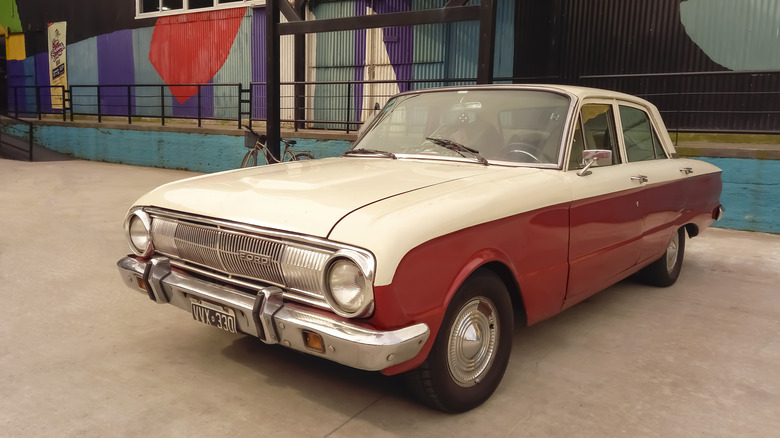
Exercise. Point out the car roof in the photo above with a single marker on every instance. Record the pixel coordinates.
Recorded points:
(575, 91)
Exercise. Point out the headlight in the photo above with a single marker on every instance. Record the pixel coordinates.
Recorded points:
(349, 290)
(138, 225)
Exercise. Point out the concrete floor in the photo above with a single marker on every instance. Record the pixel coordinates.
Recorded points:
(83, 356)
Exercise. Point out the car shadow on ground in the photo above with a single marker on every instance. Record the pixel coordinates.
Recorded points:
(326, 383)
(319, 380)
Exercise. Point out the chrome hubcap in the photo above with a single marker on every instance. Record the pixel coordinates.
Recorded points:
(473, 341)
(672, 251)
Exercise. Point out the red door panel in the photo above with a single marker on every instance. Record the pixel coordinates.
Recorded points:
(606, 227)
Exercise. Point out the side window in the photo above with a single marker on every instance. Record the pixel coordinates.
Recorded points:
(595, 130)
(642, 143)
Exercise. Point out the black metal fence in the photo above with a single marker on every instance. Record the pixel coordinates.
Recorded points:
(17, 136)
(336, 105)
(724, 101)
(740, 102)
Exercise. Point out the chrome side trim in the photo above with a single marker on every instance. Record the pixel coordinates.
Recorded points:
(269, 318)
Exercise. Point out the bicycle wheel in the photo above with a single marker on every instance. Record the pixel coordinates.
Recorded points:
(250, 159)
(302, 156)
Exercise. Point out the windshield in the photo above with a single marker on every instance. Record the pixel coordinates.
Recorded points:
(495, 125)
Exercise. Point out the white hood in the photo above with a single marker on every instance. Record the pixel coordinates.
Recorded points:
(308, 197)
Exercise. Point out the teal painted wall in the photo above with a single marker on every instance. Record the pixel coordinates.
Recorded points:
(751, 194)
(171, 150)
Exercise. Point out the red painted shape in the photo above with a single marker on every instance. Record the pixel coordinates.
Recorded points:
(191, 48)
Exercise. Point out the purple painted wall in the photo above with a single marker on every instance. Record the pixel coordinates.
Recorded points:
(17, 77)
(115, 66)
(258, 63)
(399, 41)
(42, 78)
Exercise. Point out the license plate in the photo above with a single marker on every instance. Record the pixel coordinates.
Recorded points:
(214, 315)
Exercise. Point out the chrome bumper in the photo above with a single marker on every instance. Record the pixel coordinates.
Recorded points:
(719, 212)
(267, 317)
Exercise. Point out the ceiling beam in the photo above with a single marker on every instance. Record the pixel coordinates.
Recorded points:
(427, 16)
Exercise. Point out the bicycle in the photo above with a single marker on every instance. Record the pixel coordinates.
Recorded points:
(250, 159)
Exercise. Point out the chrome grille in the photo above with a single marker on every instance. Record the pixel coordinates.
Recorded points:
(247, 256)
(300, 262)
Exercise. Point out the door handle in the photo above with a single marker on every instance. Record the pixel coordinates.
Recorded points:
(687, 170)
(640, 178)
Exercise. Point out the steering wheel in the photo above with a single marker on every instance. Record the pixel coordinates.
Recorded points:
(520, 149)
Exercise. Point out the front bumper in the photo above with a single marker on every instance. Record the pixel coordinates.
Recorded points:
(267, 317)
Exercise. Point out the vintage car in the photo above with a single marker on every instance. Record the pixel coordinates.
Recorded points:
(458, 214)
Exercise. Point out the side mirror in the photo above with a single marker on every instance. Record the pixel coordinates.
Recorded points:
(591, 157)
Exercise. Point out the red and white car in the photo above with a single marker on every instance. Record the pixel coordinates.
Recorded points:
(458, 214)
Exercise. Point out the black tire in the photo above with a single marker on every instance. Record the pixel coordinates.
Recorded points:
(460, 374)
(303, 156)
(665, 271)
(250, 159)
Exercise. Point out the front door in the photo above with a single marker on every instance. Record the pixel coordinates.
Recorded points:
(606, 216)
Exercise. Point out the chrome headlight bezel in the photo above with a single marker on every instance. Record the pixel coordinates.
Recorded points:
(135, 218)
(366, 267)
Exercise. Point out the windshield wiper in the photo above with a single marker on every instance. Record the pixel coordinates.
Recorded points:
(457, 147)
(363, 151)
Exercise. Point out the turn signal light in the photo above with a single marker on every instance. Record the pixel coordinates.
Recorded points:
(140, 282)
(313, 341)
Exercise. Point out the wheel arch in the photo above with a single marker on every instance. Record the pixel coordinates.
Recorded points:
(692, 230)
(504, 273)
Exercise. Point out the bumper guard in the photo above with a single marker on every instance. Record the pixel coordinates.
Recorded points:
(267, 317)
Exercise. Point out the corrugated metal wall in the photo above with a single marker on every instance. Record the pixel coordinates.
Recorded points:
(571, 41)
(148, 100)
(399, 54)
(332, 59)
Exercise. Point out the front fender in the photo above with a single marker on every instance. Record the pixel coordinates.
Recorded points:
(533, 246)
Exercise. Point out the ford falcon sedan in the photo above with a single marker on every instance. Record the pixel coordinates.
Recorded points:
(458, 214)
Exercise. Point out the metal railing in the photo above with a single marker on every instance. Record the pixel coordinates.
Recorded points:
(17, 137)
(28, 100)
(336, 105)
(156, 101)
(722, 101)
(743, 102)
(201, 101)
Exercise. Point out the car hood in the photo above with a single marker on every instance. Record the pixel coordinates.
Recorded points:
(308, 197)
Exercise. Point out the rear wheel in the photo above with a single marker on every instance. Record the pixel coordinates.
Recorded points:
(665, 271)
(471, 350)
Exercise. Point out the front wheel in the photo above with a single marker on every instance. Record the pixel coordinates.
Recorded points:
(665, 271)
(471, 350)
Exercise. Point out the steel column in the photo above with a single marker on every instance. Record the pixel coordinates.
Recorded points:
(273, 78)
(487, 41)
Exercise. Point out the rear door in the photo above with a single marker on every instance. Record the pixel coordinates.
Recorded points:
(664, 192)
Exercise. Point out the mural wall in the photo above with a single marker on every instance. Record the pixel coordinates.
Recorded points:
(226, 48)
(555, 40)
